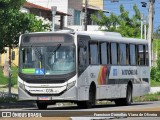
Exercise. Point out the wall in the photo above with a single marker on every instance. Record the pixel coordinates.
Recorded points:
(5, 57)
(89, 27)
(75, 4)
(97, 3)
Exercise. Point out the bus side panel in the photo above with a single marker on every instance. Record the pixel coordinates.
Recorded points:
(83, 93)
(136, 90)
(83, 86)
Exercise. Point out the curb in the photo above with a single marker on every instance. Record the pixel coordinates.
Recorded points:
(154, 90)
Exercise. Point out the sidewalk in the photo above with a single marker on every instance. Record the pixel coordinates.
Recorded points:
(154, 90)
(14, 103)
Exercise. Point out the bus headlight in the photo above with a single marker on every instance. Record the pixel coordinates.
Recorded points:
(71, 84)
(21, 85)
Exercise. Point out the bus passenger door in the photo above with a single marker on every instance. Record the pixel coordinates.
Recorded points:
(83, 58)
(82, 68)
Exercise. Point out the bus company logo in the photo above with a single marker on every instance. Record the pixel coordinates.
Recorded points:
(6, 114)
(115, 72)
(129, 72)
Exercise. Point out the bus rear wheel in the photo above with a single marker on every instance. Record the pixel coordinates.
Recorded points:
(125, 101)
(42, 106)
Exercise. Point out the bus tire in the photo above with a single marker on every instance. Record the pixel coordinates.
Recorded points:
(42, 106)
(128, 99)
(125, 101)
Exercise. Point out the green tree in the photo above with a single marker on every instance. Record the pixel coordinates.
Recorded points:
(13, 23)
(128, 27)
(109, 22)
(155, 71)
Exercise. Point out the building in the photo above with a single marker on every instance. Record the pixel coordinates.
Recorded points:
(75, 8)
(92, 8)
(45, 13)
(72, 7)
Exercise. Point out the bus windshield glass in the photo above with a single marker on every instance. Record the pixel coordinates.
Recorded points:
(57, 59)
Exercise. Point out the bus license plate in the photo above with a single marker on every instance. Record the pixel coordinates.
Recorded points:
(44, 98)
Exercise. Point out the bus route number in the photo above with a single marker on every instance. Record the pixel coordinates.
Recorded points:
(49, 91)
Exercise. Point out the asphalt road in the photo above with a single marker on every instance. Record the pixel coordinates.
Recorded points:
(148, 111)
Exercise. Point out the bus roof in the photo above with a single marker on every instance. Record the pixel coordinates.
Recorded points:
(99, 36)
(111, 37)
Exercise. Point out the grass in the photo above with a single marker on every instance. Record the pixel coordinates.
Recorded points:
(4, 80)
(155, 83)
(147, 97)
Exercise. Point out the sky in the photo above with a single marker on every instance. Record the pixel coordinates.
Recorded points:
(128, 5)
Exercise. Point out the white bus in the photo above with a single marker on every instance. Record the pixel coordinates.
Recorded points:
(82, 67)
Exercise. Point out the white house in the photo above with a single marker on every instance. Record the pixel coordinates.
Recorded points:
(72, 7)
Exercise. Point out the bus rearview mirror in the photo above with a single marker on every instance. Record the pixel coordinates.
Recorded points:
(13, 55)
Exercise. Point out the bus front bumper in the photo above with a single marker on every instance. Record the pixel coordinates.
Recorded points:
(68, 95)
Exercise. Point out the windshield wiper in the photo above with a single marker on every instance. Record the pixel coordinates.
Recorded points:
(55, 49)
(37, 51)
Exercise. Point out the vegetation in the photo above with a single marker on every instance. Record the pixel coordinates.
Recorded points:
(6, 99)
(148, 97)
(128, 27)
(155, 71)
(13, 23)
(4, 80)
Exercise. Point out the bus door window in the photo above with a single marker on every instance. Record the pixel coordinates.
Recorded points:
(82, 57)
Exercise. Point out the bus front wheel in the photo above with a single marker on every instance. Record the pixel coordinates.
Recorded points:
(42, 106)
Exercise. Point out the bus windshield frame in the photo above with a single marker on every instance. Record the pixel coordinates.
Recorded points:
(47, 58)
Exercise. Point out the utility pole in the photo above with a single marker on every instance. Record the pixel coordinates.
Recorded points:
(142, 16)
(145, 32)
(9, 73)
(54, 9)
(86, 6)
(150, 29)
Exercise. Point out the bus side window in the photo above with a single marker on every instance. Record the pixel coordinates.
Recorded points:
(122, 54)
(114, 54)
(109, 53)
(132, 54)
(127, 54)
(141, 59)
(137, 56)
(94, 59)
(146, 55)
(103, 53)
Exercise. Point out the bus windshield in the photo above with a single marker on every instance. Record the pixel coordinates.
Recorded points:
(47, 60)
